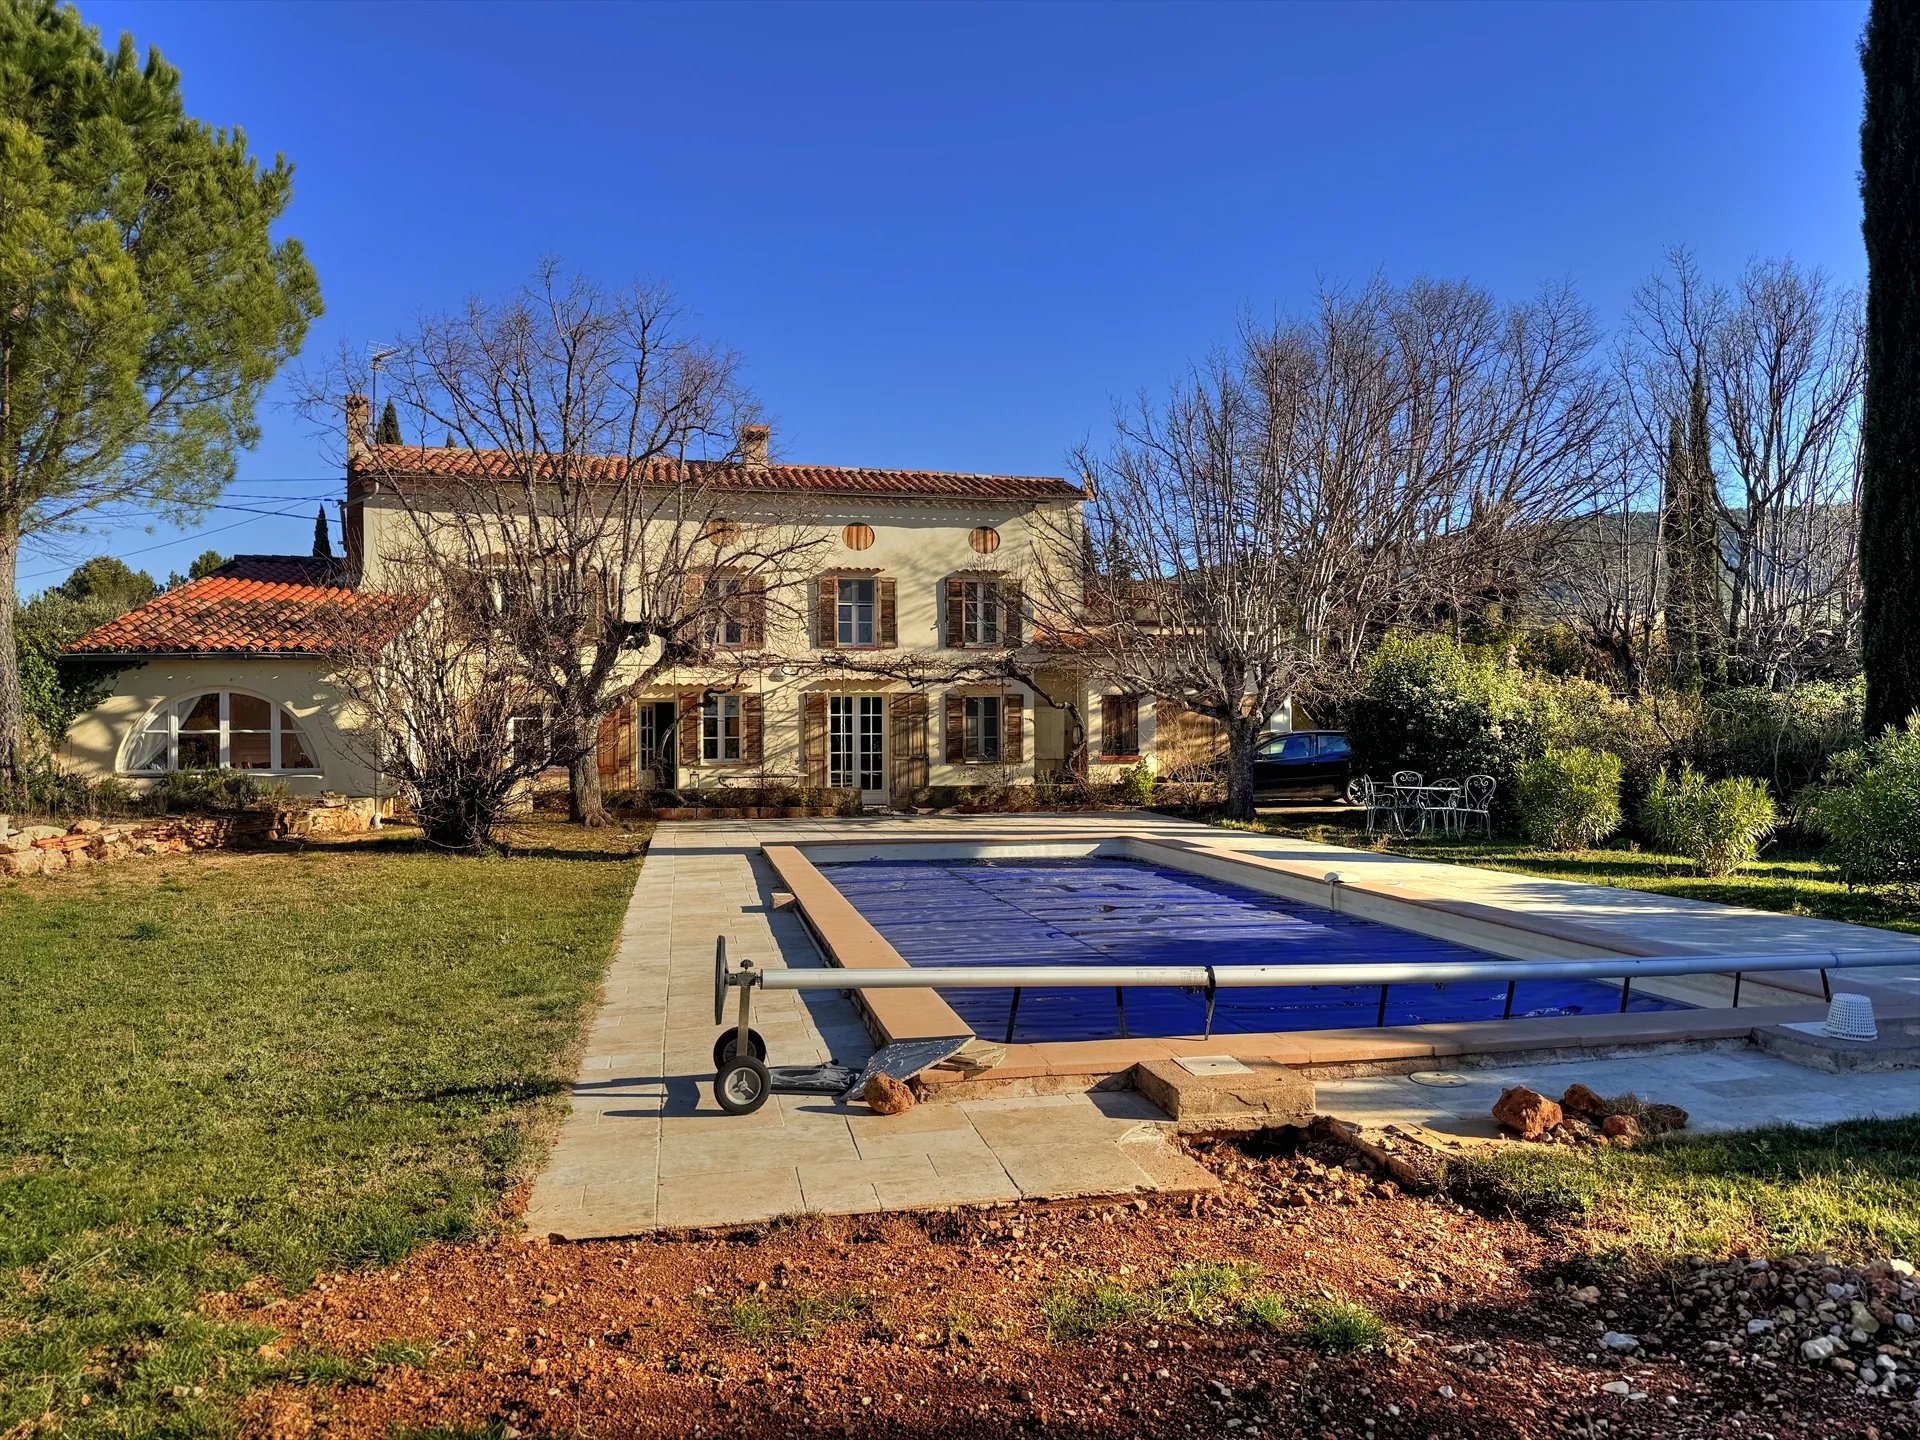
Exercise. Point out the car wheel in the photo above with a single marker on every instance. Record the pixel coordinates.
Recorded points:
(1356, 793)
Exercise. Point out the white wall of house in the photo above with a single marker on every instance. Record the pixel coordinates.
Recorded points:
(97, 745)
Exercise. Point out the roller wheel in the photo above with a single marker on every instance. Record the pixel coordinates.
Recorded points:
(742, 1086)
(723, 1048)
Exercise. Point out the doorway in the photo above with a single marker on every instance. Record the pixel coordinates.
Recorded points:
(655, 750)
(857, 745)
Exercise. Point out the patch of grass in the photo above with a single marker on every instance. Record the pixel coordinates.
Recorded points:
(1851, 1190)
(1791, 882)
(495, 1431)
(1338, 1327)
(1094, 1305)
(1217, 1294)
(1263, 1310)
(248, 1067)
(415, 1354)
(764, 1319)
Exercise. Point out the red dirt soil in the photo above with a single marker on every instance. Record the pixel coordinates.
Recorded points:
(932, 1325)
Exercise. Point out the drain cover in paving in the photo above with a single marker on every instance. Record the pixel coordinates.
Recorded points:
(1211, 1065)
(1439, 1079)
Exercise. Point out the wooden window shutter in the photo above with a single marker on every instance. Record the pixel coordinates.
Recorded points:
(689, 727)
(826, 611)
(752, 709)
(1013, 619)
(608, 748)
(956, 730)
(885, 628)
(753, 617)
(956, 613)
(691, 588)
(907, 720)
(813, 740)
(1014, 708)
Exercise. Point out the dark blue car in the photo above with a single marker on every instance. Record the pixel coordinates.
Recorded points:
(1303, 764)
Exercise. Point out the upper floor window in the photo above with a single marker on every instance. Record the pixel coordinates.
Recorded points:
(220, 729)
(720, 728)
(855, 611)
(980, 612)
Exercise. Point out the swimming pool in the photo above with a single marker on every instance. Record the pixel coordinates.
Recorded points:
(1104, 911)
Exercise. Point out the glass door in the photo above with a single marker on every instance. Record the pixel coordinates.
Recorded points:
(856, 744)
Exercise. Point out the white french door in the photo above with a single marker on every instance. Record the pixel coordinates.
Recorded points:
(857, 744)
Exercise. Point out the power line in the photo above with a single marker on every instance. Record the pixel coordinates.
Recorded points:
(177, 540)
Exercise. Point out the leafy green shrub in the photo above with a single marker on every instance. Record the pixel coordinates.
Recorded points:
(194, 790)
(1869, 810)
(1430, 704)
(1719, 824)
(1136, 784)
(1787, 736)
(1569, 798)
(44, 789)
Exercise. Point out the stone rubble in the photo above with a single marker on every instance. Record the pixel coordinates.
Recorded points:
(1855, 1320)
(49, 849)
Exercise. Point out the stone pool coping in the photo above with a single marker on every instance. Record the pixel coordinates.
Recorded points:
(846, 938)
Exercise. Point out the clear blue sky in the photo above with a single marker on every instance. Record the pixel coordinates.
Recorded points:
(948, 236)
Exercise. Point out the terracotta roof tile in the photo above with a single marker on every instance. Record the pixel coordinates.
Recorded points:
(403, 462)
(254, 605)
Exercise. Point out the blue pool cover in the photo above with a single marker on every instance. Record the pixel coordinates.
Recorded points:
(1123, 912)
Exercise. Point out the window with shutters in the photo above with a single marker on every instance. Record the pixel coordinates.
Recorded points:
(980, 612)
(720, 729)
(854, 616)
(1120, 727)
(729, 628)
(983, 717)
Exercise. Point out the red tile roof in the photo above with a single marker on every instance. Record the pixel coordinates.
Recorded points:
(254, 605)
(405, 462)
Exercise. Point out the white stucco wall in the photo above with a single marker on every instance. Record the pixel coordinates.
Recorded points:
(96, 745)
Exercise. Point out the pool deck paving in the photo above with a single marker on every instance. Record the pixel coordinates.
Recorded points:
(645, 1147)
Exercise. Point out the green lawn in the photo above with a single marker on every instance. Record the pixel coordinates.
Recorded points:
(1852, 1190)
(1794, 882)
(232, 1070)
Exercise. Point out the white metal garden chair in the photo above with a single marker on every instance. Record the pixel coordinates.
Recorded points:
(1476, 803)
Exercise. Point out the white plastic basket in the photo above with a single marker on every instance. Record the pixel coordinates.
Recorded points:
(1850, 1017)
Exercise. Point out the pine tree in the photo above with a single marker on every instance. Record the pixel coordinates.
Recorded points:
(1890, 415)
(322, 537)
(1675, 521)
(389, 431)
(1703, 539)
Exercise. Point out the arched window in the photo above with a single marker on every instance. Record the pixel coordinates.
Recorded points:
(220, 729)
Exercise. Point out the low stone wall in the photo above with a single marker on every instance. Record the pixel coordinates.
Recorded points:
(50, 848)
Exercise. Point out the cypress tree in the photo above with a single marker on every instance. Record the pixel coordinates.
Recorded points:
(1675, 522)
(1703, 539)
(388, 432)
(1890, 415)
(322, 537)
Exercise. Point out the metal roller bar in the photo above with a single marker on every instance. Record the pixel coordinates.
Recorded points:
(1253, 977)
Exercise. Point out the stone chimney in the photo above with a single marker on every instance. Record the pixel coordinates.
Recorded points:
(359, 427)
(753, 445)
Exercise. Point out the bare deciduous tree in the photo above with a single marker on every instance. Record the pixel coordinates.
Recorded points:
(597, 488)
(1400, 455)
(1781, 354)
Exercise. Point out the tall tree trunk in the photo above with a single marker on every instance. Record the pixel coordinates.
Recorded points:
(1890, 417)
(584, 806)
(1243, 732)
(13, 718)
